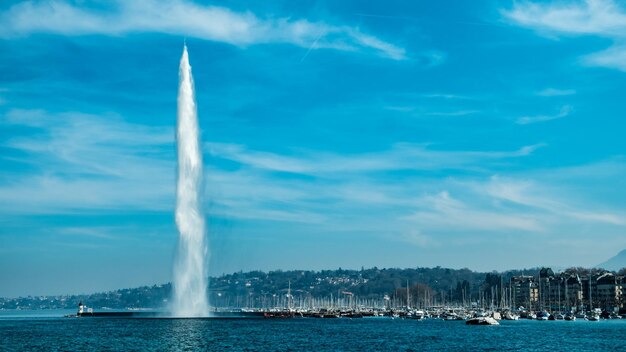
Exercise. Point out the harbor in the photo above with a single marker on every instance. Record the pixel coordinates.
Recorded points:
(416, 294)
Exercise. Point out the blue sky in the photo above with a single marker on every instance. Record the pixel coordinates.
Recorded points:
(482, 134)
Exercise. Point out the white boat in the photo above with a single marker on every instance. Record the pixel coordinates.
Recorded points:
(418, 315)
(482, 321)
(593, 317)
(543, 315)
(510, 316)
(570, 317)
(451, 316)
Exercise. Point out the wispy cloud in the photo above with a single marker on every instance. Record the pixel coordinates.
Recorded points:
(554, 92)
(185, 18)
(418, 239)
(442, 211)
(532, 195)
(402, 156)
(96, 163)
(604, 18)
(525, 120)
(598, 17)
(453, 113)
(88, 162)
(446, 96)
(614, 57)
(100, 232)
(514, 204)
(432, 104)
(495, 205)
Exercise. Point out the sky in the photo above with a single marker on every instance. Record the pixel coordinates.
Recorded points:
(478, 134)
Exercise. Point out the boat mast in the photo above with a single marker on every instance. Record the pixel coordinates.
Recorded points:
(408, 305)
(559, 307)
(502, 297)
(289, 296)
(417, 296)
(549, 295)
(590, 300)
(567, 302)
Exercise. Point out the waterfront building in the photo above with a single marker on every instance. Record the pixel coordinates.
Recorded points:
(623, 285)
(608, 291)
(524, 291)
(568, 291)
(573, 287)
(546, 278)
(561, 292)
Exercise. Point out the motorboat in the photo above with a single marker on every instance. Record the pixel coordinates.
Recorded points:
(543, 315)
(510, 316)
(593, 317)
(482, 321)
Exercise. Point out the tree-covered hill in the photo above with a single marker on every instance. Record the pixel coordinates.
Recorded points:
(266, 289)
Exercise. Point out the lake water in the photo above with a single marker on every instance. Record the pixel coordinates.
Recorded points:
(54, 333)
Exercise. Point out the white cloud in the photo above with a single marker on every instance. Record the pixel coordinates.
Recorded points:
(356, 197)
(554, 92)
(89, 162)
(604, 18)
(598, 17)
(83, 163)
(98, 232)
(614, 57)
(419, 239)
(402, 156)
(445, 96)
(185, 18)
(442, 212)
(452, 113)
(525, 120)
(517, 205)
(533, 196)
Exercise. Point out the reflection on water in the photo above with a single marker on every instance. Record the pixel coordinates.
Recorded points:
(154, 334)
(31, 314)
(187, 334)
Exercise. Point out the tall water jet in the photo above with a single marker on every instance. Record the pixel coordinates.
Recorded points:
(190, 283)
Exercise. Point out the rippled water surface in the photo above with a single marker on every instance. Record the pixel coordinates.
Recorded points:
(373, 334)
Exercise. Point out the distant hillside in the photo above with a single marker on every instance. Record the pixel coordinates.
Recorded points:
(615, 263)
(257, 288)
(270, 289)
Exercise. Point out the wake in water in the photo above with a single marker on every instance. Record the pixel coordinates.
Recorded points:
(190, 283)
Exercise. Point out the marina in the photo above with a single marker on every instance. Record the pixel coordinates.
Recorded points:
(469, 315)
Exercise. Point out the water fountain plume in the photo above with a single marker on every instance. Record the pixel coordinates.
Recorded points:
(189, 297)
